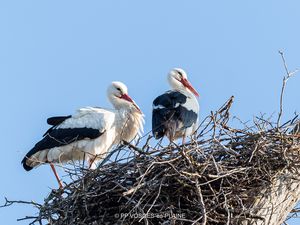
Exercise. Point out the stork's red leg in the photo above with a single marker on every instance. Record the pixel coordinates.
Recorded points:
(91, 161)
(183, 140)
(56, 175)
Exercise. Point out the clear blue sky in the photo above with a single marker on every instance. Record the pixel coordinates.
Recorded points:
(56, 56)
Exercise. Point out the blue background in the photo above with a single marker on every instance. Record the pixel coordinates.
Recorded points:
(57, 56)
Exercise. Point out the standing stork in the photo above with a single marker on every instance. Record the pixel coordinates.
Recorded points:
(88, 134)
(175, 113)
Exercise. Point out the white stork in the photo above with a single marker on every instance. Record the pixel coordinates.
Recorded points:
(175, 113)
(88, 134)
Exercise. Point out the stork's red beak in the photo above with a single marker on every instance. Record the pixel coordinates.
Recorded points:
(189, 86)
(127, 98)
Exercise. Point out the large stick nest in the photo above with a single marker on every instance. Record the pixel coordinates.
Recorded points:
(214, 179)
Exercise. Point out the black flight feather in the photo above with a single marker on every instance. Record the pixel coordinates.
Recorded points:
(169, 112)
(54, 121)
(61, 137)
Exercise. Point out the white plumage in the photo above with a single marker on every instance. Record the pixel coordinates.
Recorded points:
(112, 124)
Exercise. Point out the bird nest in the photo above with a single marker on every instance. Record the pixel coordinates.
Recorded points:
(214, 179)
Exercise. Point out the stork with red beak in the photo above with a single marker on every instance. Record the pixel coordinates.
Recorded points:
(89, 134)
(175, 113)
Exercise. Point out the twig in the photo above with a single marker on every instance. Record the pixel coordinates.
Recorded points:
(284, 81)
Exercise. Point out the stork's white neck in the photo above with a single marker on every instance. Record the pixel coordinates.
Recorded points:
(130, 124)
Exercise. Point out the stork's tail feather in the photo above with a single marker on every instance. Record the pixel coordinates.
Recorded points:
(29, 161)
(25, 166)
(158, 133)
(158, 128)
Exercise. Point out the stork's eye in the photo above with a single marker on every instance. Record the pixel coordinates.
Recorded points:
(119, 89)
(180, 74)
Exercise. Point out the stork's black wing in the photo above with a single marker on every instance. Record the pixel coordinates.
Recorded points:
(54, 121)
(169, 110)
(56, 137)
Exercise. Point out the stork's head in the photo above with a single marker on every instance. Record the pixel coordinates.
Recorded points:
(117, 93)
(179, 81)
